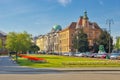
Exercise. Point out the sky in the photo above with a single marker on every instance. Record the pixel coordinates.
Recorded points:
(39, 16)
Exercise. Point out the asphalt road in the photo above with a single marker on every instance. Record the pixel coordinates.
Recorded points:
(63, 76)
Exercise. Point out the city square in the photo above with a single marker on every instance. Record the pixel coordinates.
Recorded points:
(59, 39)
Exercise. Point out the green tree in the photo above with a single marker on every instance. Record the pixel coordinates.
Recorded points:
(117, 45)
(34, 48)
(104, 40)
(80, 41)
(95, 47)
(18, 42)
(11, 41)
(24, 42)
(0, 44)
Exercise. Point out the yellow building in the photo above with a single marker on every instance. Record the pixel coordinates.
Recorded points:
(61, 40)
(65, 38)
(40, 42)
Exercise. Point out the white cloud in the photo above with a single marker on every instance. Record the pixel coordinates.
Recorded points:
(64, 2)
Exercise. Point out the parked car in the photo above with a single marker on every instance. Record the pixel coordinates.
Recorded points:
(114, 55)
(67, 54)
(92, 55)
(79, 54)
(86, 54)
(102, 55)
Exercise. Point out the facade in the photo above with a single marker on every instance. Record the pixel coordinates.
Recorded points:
(90, 28)
(65, 38)
(40, 42)
(61, 41)
(3, 41)
(50, 42)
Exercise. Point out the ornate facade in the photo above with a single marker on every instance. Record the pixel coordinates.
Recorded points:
(50, 42)
(90, 28)
(65, 37)
(61, 41)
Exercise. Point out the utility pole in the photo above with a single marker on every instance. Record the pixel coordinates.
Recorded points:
(109, 22)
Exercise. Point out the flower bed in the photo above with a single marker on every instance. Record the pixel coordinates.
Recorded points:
(32, 58)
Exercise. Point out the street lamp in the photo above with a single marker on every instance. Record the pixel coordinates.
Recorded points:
(77, 43)
(109, 22)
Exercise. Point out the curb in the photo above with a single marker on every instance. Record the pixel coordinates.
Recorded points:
(86, 70)
(79, 69)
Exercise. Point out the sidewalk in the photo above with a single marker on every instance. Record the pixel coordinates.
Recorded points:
(6, 61)
(87, 69)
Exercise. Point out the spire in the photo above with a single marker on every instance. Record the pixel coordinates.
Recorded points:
(85, 15)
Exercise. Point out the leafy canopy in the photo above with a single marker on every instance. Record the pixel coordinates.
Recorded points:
(104, 40)
(117, 45)
(18, 42)
(80, 41)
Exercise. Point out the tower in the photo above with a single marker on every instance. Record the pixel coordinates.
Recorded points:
(85, 20)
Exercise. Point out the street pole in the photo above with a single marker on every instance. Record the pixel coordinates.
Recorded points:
(77, 43)
(109, 22)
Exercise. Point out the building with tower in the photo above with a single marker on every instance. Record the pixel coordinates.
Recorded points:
(90, 28)
(60, 40)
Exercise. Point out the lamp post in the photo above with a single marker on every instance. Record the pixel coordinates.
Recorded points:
(109, 22)
(77, 44)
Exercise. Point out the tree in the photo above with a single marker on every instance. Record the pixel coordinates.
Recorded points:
(80, 41)
(24, 41)
(18, 42)
(117, 45)
(95, 47)
(0, 43)
(104, 40)
(11, 41)
(34, 48)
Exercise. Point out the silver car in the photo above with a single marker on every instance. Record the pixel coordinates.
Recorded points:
(114, 55)
(79, 54)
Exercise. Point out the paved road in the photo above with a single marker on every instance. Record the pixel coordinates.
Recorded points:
(62, 76)
(6, 61)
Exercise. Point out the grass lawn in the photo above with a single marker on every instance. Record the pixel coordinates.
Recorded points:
(54, 61)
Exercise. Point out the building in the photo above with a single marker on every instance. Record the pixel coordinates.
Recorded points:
(50, 42)
(66, 35)
(40, 42)
(61, 40)
(65, 38)
(90, 28)
(3, 42)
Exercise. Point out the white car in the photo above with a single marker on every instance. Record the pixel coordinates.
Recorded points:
(79, 54)
(67, 54)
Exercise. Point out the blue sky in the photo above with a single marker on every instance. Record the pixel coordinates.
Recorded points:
(39, 16)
